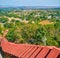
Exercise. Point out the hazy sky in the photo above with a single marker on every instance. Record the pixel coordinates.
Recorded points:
(9, 3)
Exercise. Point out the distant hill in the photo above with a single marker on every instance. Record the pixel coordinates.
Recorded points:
(31, 7)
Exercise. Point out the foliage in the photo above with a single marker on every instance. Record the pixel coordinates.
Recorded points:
(3, 20)
(32, 32)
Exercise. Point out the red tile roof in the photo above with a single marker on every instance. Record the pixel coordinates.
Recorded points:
(30, 51)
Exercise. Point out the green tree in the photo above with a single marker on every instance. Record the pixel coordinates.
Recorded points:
(3, 20)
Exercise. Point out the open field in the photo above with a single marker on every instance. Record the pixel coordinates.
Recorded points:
(46, 22)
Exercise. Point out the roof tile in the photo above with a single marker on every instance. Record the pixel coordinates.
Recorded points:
(30, 51)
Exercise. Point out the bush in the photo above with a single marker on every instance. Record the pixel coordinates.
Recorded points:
(11, 35)
(3, 20)
(9, 25)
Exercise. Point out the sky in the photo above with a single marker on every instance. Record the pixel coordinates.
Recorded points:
(9, 3)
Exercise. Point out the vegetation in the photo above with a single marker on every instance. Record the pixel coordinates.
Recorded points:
(31, 26)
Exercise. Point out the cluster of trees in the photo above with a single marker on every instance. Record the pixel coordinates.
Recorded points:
(3, 20)
(20, 32)
(32, 33)
(33, 15)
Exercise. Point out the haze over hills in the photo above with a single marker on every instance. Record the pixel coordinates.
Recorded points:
(30, 6)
